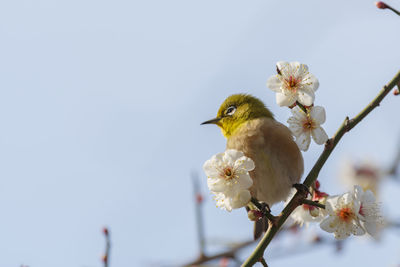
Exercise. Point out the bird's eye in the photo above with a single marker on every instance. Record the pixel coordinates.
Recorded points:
(230, 110)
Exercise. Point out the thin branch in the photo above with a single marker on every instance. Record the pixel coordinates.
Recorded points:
(303, 108)
(346, 126)
(199, 214)
(312, 203)
(226, 254)
(393, 170)
(106, 256)
(263, 262)
(394, 10)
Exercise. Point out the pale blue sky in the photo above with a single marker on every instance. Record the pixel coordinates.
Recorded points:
(100, 111)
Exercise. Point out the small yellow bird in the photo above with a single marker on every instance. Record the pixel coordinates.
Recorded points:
(251, 128)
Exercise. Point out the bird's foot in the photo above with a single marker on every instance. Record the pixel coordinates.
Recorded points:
(267, 213)
(302, 189)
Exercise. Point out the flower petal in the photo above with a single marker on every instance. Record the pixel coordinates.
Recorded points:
(285, 100)
(241, 199)
(370, 227)
(231, 155)
(283, 67)
(217, 185)
(305, 97)
(329, 224)
(311, 81)
(319, 135)
(318, 114)
(274, 83)
(303, 141)
(244, 181)
(245, 163)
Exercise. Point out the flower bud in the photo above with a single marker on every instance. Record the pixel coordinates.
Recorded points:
(317, 184)
(254, 215)
(381, 5)
(314, 212)
(396, 92)
(199, 198)
(105, 231)
(104, 258)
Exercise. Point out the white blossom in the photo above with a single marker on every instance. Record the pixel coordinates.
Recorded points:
(303, 126)
(228, 201)
(293, 83)
(343, 219)
(229, 179)
(369, 212)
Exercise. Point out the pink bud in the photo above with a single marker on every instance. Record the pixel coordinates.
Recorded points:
(199, 198)
(317, 184)
(381, 5)
(105, 231)
(396, 92)
(254, 215)
(104, 258)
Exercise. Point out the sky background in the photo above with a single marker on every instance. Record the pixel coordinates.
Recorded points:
(100, 111)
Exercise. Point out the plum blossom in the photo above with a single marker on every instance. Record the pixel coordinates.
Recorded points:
(229, 179)
(342, 217)
(303, 126)
(293, 83)
(354, 213)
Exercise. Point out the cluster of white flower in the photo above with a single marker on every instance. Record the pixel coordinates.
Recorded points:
(351, 213)
(354, 213)
(229, 179)
(295, 86)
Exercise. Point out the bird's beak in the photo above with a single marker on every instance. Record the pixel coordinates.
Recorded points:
(213, 121)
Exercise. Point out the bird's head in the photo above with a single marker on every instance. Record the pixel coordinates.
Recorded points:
(236, 110)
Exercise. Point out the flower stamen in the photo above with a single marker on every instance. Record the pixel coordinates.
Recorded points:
(345, 214)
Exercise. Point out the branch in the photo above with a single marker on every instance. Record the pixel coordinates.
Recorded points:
(106, 256)
(393, 170)
(382, 5)
(227, 254)
(303, 108)
(312, 176)
(312, 203)
(199, 215)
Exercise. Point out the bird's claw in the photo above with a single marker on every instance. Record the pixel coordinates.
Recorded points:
(304, 190)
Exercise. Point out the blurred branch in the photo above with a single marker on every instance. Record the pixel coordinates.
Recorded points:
(346, 126)
(199, 214)
(396, 163)
(203, 258)
(106, 256)
(231, 253)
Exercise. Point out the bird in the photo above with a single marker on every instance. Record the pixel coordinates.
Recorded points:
(249, 126)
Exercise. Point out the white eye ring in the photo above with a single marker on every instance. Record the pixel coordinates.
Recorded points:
(230, 110)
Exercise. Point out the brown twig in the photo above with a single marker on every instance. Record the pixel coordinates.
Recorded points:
(231, 253)
(383, 5)
(312, 203)
(346, 126)
(106, 256)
